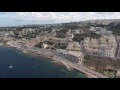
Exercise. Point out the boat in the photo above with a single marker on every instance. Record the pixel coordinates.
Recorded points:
(10, 66)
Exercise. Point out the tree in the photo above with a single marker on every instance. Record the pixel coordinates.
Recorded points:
(86, 57)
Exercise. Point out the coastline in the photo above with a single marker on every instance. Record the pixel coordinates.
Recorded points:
(49, 57)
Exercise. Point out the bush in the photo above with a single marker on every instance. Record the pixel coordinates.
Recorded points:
(86, 57)
(79, 37)
(49, 42)
(61, 46)
(39, 45)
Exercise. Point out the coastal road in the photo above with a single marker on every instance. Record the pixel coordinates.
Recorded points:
(79, 67)
(82, 68)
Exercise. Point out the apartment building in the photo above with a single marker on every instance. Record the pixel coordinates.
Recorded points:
(73, 46)
(73, 56)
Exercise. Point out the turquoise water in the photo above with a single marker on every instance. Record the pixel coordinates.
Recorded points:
(29, 66)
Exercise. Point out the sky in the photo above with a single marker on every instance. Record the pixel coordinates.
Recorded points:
(24, 18)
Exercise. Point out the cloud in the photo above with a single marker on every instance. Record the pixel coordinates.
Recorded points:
(53, 17)
(65, 16)
(107, 15)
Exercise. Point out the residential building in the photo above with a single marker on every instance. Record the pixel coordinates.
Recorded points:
(73, 46)
(61, 40)
(73, 56)
(92, 29)
(105, 47)
(104, 33)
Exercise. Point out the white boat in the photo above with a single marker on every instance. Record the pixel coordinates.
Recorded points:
(10, 66)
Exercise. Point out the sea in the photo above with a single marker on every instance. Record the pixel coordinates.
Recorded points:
(30, 66)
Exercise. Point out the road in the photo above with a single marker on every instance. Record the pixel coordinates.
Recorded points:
(79, 67)
(82, 68)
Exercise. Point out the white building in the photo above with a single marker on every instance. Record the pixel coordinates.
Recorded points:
(73, 46)
(44, 46)
(92, 29)
(107, 53)
(61, 40)
(79, 55)
(72, 56)
(104, 33)
(105, 47)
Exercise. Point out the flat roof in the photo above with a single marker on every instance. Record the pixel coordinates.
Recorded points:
(75, 53)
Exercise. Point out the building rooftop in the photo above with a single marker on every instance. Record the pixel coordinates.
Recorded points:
(73, 46)
(75, 53)
(61, 50)
(94, 41)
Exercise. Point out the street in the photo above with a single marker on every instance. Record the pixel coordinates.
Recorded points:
(82, 68)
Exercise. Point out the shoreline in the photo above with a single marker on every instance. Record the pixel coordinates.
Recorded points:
(51, 58)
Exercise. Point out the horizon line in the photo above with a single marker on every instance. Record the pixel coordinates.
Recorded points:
(57, 23)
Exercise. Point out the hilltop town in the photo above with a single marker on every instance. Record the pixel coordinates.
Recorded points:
(93, 44)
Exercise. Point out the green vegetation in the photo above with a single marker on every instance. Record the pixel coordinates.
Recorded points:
(110, 73)
(48, 30)
(86, 57)
(53, 48)
(49, 42)
(61, 33)
(3, 42)
(101, 64)
(78, 38)
(114, 28)
(60, 36)
(39, 45)
(61, 45)
(94, 35)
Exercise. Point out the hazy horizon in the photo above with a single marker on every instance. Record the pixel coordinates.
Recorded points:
(26, 18)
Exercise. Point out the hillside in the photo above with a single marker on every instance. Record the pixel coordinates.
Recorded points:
(110, 24)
